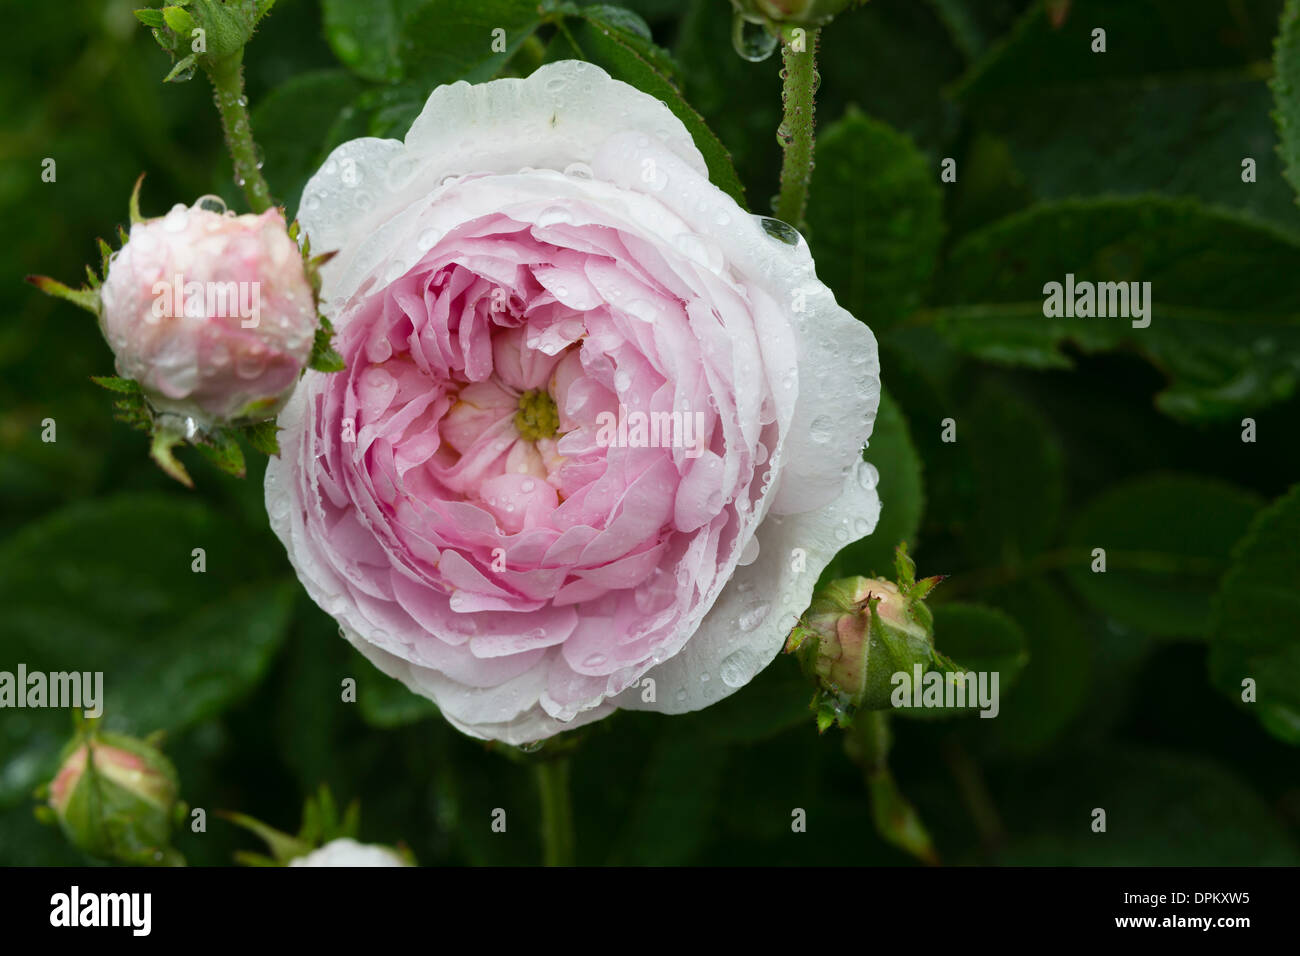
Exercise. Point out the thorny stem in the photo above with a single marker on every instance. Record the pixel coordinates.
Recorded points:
(227, 78)
(798, 85)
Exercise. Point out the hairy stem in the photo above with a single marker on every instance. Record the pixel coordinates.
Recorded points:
(799, 84)
(227, 78)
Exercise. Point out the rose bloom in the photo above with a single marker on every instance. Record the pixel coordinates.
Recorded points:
(473, 500)
(348, 852)
(212, 314)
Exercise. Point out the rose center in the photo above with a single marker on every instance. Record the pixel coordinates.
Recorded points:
(537, 417)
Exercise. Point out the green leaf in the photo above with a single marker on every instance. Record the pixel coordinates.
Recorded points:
(1053, 687)
(895, 458)
(774, 701)
(1253, 633)
(875, 219)
(1174, 105)
(621, 54)
(453, 40)
(1166, 540)
(673, 815)
(293, 123)
(1224, 323)
(981, 638)
(1286, 91)
(367, 35)
(1018, 477)
(974, 637)
(632, 30)
(1162, 809)
(109, 585)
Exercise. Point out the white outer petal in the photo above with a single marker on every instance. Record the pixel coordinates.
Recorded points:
(457, 703)
(348, 852)
(747, 626)
(496, 127)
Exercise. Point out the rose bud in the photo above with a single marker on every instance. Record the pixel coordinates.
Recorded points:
(796, 12)
(857, 634)
(212, 313)
(115, 797)
(348, 852)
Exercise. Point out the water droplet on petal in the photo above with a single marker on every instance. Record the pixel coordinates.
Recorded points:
(780, 231)
(211, 204)
(737, 668)
(868, 476)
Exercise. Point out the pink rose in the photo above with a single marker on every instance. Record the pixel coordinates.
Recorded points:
(212, 314)
(600, 429)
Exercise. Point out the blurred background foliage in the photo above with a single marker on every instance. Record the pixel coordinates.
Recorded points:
(1071, 434)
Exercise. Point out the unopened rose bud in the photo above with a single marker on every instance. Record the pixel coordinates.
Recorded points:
(348, 852)
(813, 13)
(857, 634)
(115, 797)
(211, 313)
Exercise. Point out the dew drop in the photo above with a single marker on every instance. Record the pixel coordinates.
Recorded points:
(554, 216)
(737, 668)
(751, 39)
(211, 203)
(753, 617)
(868, 476)
(780, 231)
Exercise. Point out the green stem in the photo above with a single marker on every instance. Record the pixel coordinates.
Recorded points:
(557, 810)
(227, 78)
(978, 800)
(895, 819)
(799, 83)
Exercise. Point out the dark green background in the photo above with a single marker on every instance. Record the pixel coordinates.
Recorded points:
(1070, 436)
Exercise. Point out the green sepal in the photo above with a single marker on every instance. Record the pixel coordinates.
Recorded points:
(263, 437)
(133, 207)
(321, 823)
(283, 846)
(896, 820)
(182, 70)
(227, 27)
(126, 386)
(151, 18)
(87, 299)
(160, 450)
(105, 254)
(222, 449)
(323, 356)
